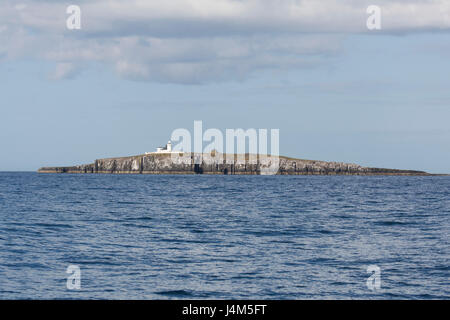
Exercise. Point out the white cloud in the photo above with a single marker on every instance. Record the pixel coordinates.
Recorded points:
(194, 41)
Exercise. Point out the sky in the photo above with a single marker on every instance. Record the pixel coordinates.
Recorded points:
(137, 70)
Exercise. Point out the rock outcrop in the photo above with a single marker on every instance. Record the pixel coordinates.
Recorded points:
(190, 163)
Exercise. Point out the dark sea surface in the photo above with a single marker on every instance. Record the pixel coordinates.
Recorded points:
(223, 237)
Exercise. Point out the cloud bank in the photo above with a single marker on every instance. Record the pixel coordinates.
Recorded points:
(199, 41)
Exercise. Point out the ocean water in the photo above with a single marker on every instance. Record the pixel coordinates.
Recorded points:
(223, 237)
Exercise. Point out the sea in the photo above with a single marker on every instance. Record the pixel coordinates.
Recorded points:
(223, 237)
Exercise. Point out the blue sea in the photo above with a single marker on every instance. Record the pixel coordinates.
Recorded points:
(224, 237)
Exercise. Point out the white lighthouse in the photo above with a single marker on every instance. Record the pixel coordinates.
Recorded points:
(166, 149)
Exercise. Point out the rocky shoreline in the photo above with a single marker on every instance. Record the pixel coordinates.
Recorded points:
(217, 164)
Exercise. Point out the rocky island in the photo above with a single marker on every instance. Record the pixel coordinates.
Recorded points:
(212, 163)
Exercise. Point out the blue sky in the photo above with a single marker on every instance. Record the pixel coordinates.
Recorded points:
(373, 98)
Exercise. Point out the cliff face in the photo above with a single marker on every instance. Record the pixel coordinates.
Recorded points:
(218, 164)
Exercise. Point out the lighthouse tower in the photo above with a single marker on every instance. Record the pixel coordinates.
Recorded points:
(166, 149)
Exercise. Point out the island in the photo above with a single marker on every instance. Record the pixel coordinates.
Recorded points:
(170, 162)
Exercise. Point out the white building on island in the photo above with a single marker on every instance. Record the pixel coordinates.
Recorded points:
(166, 149)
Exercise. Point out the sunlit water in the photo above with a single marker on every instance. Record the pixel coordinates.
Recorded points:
(223, 237)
